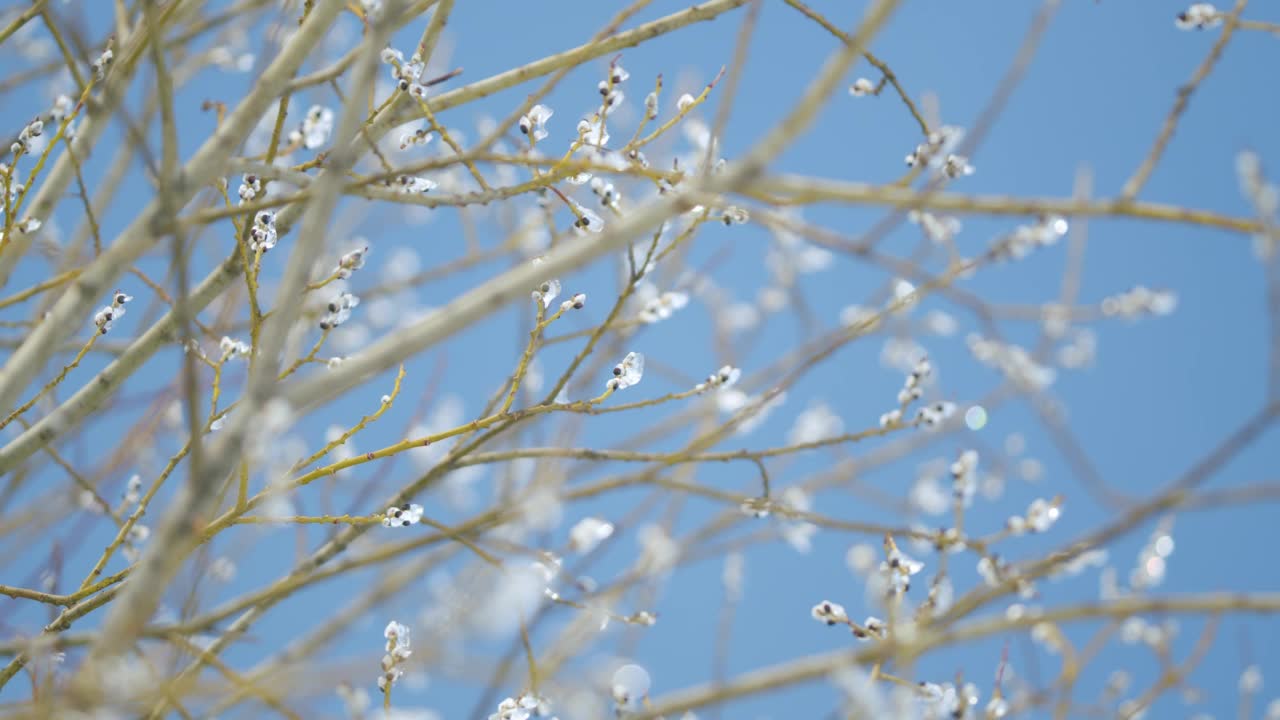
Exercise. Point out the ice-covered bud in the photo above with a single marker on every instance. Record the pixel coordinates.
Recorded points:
(547, 292)
(534, 123)
(1199, 16)
(862, 87)
(628, 372)
(402, 515)
(630, 686)
(829, 613)
(588, 533)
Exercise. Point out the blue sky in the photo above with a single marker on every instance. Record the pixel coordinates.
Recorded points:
(1163, 393)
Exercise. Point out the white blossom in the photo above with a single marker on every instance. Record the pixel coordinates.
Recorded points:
(402, 515)
(1046, 231)
(262, 236)
(658, 551)
(651, 105)
(102, 62)
(588, 533)
(934, 414)
(948, 701)
(228, 57)
(351, 261)
(862, 87)
(628, 372)
(27, 138)
(592, 131)
(577, 302)
(862, 696)
(734, 215)
(797, 533)
(250, 186)
(1139, 301)
(522, 707)
(1251, 680)
(871, 627)
(586, 221)
(407, 75)
(939, 229)
(231, 347)
(398, 635)
(103, 319)
(547, 292)
(133, 490)
(936, 147)
(829, 613)
(955, 166)
(964, 477)
(107, 315)
(618, 74)
(726, 377)
(411, 184)
(62, 108)
(660, 306)
(1199, 16)
(757, 507)
(898, 569)
(223, 569)
(534, 122)
(398, 651)
(1042, 514)
(339, 310)
(611, 97)
(415, 138)
(861, 559)
(816, 422)
(1013, 361)
(630, 686)
(137, 535)
(316, 127)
